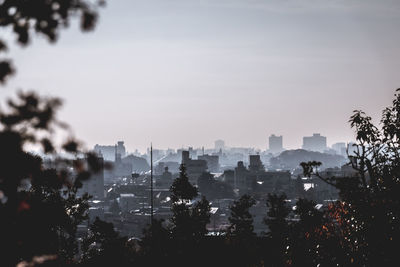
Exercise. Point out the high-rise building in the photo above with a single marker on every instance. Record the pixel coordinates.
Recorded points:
(212, 162)
(194, 167)
(340, 148)
(275, 144)
(241, 174)
(255, 164)
(219, 144)
(110, 152)
(316, 142)
(121, 148)
(95, 185)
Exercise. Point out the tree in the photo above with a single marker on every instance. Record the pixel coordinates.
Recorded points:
(104, 247)
(30, 191)
(181, 189)
(43, 17)
(307, 235)
(279, 228)
(241, 221)
(189, 219)
(39, 207)
(241, 238)
(156, 244)
(368, 214)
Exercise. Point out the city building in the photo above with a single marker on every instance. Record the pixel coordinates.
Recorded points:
(275, 144)
(194, 167)
(340, 148)
(256, 164)
(94, 186)
(219, 145)
(241, 173)
(172, 166)
(212, 162)
(316, 142)
(229, 177)
(165, 179)
(109, 152)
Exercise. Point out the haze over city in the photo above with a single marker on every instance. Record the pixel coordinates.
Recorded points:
(185, 73)
(230, 133)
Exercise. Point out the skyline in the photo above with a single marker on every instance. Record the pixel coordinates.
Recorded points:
(266, 148)
(236, 70)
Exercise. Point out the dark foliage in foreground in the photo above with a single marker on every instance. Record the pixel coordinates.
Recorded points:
(39, 206)
(44, 17)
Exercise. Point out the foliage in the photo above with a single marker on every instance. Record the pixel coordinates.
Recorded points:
(368, 212)
(156, 241)
(241, 219)
(29, 190)
(45, 17)
(104, 247)
(277, 214)
(181, 189)
(278, 226)
(188, 220)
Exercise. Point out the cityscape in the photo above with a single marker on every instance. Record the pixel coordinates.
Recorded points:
(237, 133)
(222, 174)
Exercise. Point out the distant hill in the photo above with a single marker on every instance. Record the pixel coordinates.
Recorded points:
(291, 159)
(138, 164)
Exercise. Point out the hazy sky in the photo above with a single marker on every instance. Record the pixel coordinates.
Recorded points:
(186, 72)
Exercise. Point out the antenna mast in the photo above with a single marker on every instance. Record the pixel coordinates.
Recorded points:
(151, 183)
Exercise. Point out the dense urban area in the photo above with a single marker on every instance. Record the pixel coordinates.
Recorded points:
(121, 193)
(189, 62)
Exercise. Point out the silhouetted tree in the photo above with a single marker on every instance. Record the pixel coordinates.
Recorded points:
(156, 244)
(104, 247)
(279, 229)
(181, 189)
(45, 17)
(368, 213)
(241, 219)
(189, 219)
(39, 207)
(306, 235)
(240, 234)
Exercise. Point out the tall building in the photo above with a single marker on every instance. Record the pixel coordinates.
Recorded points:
(94, 186)
(212, 162)
(275, 144)
(256, 164)
(340, 148)
(219, 144)
(194, 167)
(240, 177)
(121, 148)
(110, 152)
(316, 142)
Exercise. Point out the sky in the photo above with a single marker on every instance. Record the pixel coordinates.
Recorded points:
(184, 73)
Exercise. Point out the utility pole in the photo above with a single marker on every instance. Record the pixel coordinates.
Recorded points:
(151, 184)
